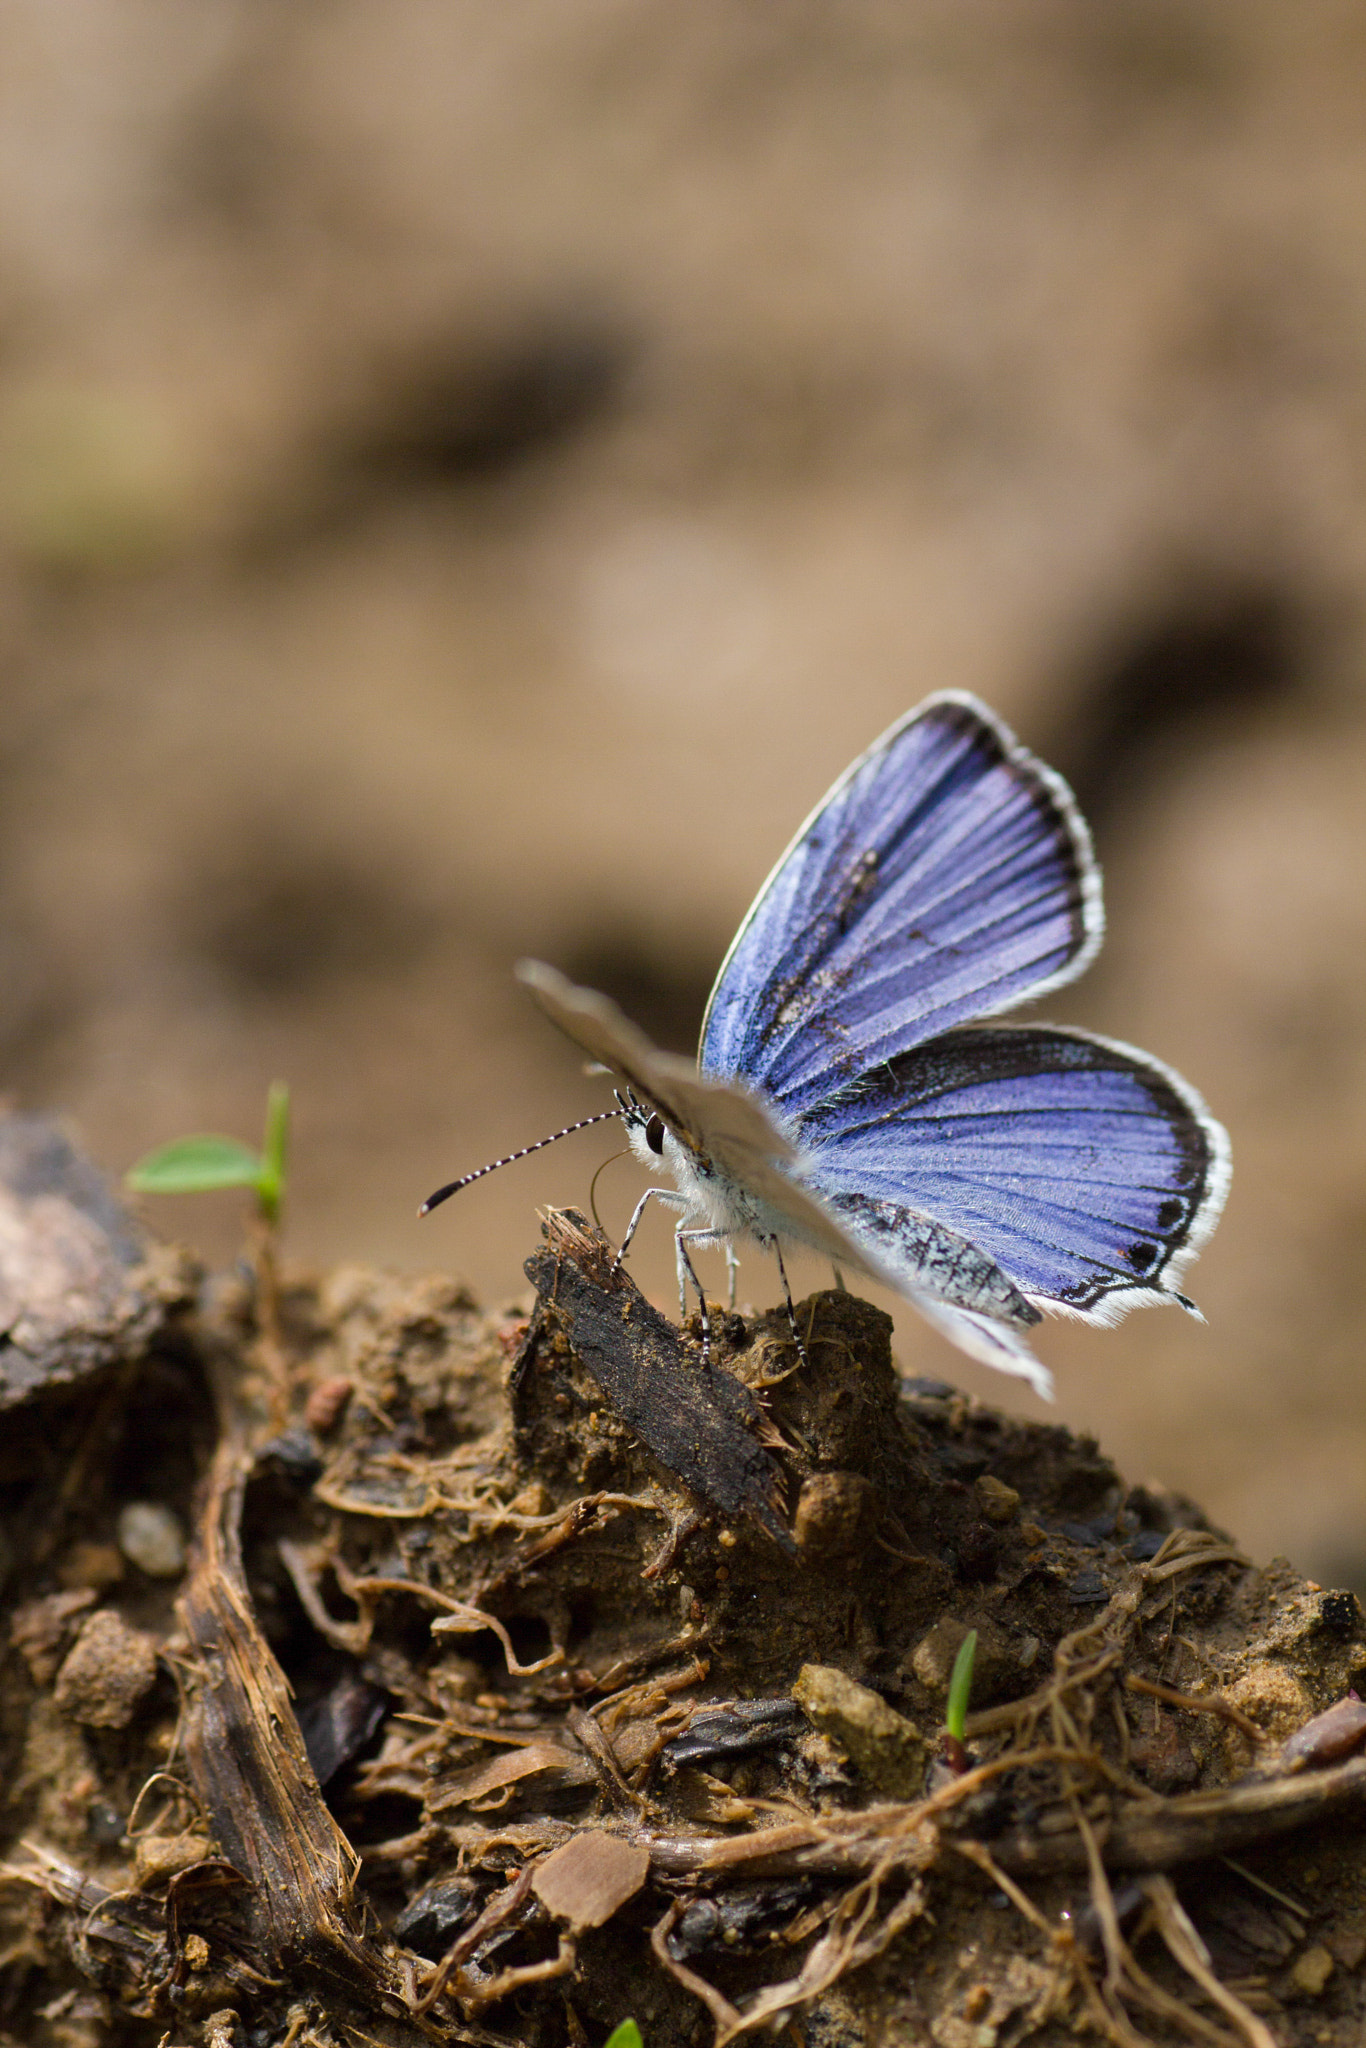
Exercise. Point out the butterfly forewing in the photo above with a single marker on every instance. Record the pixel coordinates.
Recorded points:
(946, 876)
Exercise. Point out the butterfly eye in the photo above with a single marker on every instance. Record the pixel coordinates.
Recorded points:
(654, 1133)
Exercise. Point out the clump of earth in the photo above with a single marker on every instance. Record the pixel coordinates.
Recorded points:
(385, 1669)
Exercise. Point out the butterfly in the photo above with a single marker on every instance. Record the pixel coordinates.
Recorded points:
(853, 1094)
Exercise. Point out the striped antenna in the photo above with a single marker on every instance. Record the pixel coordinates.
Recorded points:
(454, 1187)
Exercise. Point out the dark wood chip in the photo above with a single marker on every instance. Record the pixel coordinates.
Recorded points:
(697, 1421)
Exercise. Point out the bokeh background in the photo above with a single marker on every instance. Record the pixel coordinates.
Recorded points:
(470, 477)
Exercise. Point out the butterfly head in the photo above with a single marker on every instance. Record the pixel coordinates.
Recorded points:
(645, 1127)
(662, 1148)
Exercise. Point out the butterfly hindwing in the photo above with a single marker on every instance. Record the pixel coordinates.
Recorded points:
(1086, 1171)
(947, 875)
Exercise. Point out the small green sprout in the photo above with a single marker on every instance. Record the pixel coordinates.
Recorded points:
(960, 1687)
(956, 1712)
(195, 1166)
(627, 2035)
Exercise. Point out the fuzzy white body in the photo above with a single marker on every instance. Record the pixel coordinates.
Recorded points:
(711, 1207)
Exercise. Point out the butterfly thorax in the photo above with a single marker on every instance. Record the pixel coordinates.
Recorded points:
(706, 1197)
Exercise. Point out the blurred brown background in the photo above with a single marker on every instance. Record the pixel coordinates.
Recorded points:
(470, 477)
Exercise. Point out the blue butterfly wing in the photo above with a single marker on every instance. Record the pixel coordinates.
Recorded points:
(948, 875)
(1084, 1171)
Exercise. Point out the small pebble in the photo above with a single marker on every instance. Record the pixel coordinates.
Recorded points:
(430, 1922)
(884, 1747)
(1087, 1586)
(158, 1858)
(1348, 1946)
(294, 1456)
(830, 1510)
(998, 1502)
(1311, 1971)
(1340, 1614)
(108, 1671)
(151, 1537)
(994, 1667)
(327, 1403)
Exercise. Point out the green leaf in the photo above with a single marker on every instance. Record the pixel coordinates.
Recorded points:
(627, 2035)
(191, 1166)
(960, 1687)
(270, 1186)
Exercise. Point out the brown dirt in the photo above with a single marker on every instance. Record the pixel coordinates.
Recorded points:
(491, 1618)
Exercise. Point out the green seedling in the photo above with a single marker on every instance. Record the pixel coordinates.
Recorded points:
(627, 2035)
(956, 1712)
(198, 1165)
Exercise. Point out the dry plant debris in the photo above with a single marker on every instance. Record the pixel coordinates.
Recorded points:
(531, 1678)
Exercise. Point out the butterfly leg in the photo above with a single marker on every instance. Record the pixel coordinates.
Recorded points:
(787, 1297)
(687, 1271)
(636, 1214)
(732, 1268)
(684, 1266)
